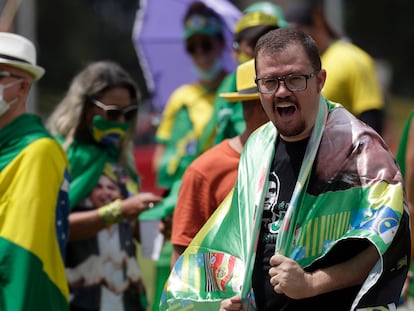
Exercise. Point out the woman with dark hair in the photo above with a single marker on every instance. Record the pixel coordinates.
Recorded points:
(95, 123)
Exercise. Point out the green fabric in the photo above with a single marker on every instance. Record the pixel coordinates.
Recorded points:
(227, 120)
(18, 134)
(218, 263)
(400, 157)
(107, 132)
(165, 207)
(230, 120)
(162, 272)
(15, 281)
(212, 250)
(174, 162)
(180, 151)
(402, 147)
(286, 235)
(87, 162)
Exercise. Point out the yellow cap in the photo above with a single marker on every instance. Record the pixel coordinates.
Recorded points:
(254, 19)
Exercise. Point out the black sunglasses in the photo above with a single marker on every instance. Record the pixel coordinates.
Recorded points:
(205, 45)
(113, 113)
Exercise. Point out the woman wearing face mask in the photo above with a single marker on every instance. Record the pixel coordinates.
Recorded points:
(191, 105)
(95, 123)
(258, 18)
(185, 117)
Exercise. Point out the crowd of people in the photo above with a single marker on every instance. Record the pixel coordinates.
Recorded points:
(281, 193)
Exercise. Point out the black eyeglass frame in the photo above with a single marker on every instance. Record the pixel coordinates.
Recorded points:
(283, 79)
(126, 112)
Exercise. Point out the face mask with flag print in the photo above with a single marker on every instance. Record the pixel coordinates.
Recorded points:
(108, 133)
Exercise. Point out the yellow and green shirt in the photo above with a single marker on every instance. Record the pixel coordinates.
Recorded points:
(351, 79)
(183, 122)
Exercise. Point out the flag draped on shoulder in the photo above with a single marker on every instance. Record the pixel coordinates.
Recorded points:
(33, 218)
(349, 187)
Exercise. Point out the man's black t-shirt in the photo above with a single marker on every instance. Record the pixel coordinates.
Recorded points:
(282, 179)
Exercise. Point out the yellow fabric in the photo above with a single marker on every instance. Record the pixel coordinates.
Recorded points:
(200, 108)
(351, 79)
(254, 19)
(29, 186)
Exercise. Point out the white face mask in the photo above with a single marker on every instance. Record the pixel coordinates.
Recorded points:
(212, 73)
(5, 106)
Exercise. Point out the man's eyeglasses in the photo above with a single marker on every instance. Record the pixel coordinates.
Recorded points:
(113, 113)
(205, 45)
(293, 82)
(5, 74)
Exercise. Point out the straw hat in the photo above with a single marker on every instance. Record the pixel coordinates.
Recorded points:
(19, 52)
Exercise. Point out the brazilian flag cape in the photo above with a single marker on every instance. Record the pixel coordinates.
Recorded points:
(87, 161)
(33, 218)
(349, 187)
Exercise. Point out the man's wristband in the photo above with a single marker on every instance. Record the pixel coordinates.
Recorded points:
(111, 213)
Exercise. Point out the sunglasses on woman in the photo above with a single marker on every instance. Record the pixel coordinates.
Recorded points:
(204, 44)
(113, 113)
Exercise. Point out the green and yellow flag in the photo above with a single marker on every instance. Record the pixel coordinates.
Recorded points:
(349, 187)
(34, 207)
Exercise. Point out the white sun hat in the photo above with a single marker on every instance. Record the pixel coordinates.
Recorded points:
(19, 52)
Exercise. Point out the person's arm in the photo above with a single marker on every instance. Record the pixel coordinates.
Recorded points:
(177, 251)
(409, 177)
(287, 276)
(86, 224)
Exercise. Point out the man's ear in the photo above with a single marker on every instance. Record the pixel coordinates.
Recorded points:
(25, 86)
(321, 79)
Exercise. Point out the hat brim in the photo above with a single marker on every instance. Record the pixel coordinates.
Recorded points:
(36, 71)
(205, 32)
(235, 96)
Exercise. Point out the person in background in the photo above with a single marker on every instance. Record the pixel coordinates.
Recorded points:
(184, 119)
(190, 106)
(34, 182)
(258, 18)
(210, 178)
(405, 158)
(352, 78)
(95, 123)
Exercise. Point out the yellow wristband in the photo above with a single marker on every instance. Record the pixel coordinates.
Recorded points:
(111, 213)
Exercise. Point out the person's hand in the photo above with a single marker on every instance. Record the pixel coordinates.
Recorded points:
(231, 304)
(287, 277)
(135, 205)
